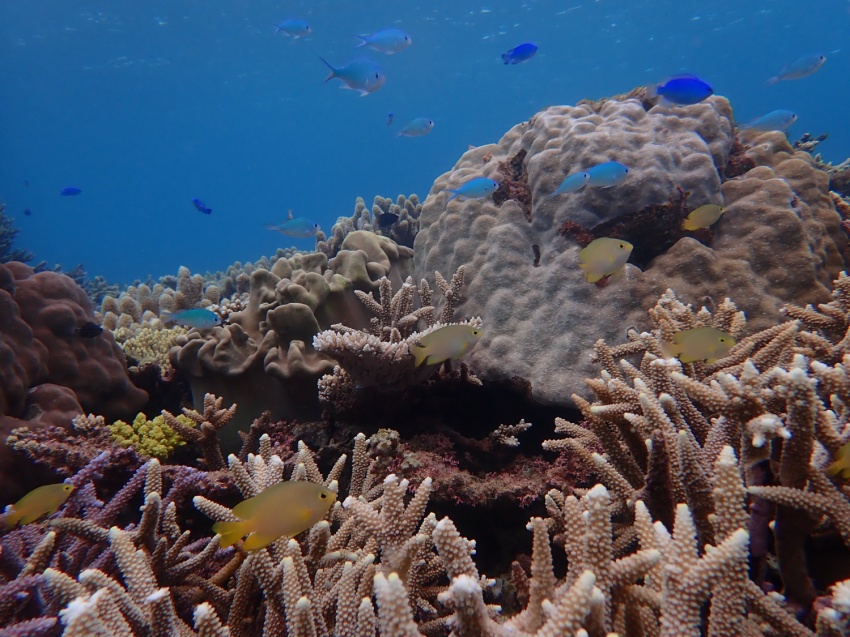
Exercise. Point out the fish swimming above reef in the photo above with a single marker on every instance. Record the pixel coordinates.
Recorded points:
(417, 127)
(361, 75)
(604, 258)
(444, 343)
(475, 188)
(200, 206)
(294, 28)
(611, 173)
(572, 183)
(703, 217)
(28, 212)
(841, 466)
(681, 89)
(44, 500)
(296, 227)
(519, 54)
(799, 68)
(284, 509)
(699, 344)
(387, 41)
(70, 191)
(89, 330)
(779, 119)
(197, 317)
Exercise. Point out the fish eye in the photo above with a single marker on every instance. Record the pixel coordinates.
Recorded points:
(622, 246)
(722, 340)
(323, 495)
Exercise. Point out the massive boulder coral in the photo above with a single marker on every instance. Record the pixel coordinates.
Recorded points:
(780, 240)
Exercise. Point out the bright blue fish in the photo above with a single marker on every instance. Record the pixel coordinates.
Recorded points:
(611, 173)
(389, 118)
(682, 89)
(521, 53)
(475, 188)
(417, 127)
(361, 75)
(774, 120)
(70, 191)
(294, 28)
(572, 183)
(387, 41)
(296, 227)
(802, 67)
(200, 206)
(198, 317)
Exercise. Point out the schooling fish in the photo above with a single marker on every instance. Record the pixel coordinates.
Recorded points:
(572, 183)
(197, 317)
(682, 89)
(294, 28)
(387, 41)
(447, 342)
(802, 67)
(200, 206)
(70, 191)
(519, 54)
(361, 75)
(283, 510)
(703, 217)
(604, 257)
(611, 173)
(841, 466)
(475, 188)
(296, 227)
(774, 120)
(89, 330)
(698, 344)
(417, 127)
(44, 500)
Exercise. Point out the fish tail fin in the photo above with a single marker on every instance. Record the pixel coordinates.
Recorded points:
(363, 41)
(670, 350)
(651, 91)
(277, 29)
(333, 70)
(420, 353)
(506, 58)
(11, 518)
(230, 532)
(772, 80)
(454, 194)
(165, 316)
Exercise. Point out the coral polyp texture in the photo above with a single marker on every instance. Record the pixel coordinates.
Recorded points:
(780, 240)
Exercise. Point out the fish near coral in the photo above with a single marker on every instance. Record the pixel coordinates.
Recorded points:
(703, 217)
(361, 75)
(197, 317)
(296, 227)
(681, 89)
(799, 68)
(283, 510)
(606, 175)
(417, 127)
(604, 257)
(475, 188)
(44, 500)
(779, 119)
(841, 466)
(699, 344)
(444, 343)
(572, 183)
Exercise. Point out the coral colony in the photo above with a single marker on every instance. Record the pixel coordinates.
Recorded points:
(684, 474)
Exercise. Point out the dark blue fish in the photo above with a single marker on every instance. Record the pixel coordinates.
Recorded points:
(89, 330)
(70, 191)
(389, 118)
(28, 212)
(682, 89)
(521, 53)
(200, 206)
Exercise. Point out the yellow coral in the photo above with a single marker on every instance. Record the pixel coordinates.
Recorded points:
(151, 438)
(149, 344)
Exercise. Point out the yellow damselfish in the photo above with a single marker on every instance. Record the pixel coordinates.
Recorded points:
(283, 510)
(841, 466)
(604, 257)
(447, 342)
(41, 501)
(703, 217)
(699, 344)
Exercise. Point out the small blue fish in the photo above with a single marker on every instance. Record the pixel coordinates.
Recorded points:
(296, 227)
(475, 188)
(682, 89)
(70, 191)
(28, 212)
(200, 206)
(361, 75)
(198, 317)
(387, 41)
(802, 67)
(774, 120)
(389, 119)
(294, 28)
(519, 54)
(611, 173)
(417, 127)
(572, 183)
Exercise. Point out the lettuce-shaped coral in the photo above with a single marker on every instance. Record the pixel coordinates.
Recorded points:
(151, 438)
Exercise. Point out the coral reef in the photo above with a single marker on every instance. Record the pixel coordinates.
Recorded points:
(780, 240)
(150, 438)
(8, 232)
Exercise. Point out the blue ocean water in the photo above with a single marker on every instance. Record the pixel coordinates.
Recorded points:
(147, 105)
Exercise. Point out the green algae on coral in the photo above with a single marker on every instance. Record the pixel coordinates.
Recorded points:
(151, 438)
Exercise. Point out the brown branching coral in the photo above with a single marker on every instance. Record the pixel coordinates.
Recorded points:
(513, 183)
(204, 434)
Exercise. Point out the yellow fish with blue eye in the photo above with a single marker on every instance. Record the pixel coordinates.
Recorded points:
(703, 217)
(444, 343)
(283, 510)
(699, 344)
(44, 500)
(604, 257)
(841, 466)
